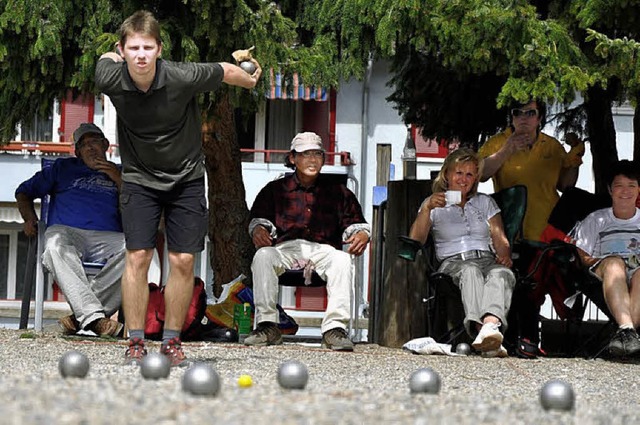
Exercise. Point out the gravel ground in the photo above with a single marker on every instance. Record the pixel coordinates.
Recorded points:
(368, 386)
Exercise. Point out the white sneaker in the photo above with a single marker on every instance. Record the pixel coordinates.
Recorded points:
(489, 338)
(500, 352)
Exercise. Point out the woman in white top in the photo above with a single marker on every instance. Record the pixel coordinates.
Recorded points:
(472, 246)
(608, 242)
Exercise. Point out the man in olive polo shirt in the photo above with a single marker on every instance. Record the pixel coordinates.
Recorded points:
(159, 133)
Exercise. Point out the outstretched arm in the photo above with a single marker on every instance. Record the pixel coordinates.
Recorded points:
(113, 56)
(236, 76)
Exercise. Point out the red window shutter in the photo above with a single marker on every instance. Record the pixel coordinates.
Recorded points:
(73, 113)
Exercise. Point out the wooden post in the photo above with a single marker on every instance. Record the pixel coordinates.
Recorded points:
(383, 161)
(402, 310)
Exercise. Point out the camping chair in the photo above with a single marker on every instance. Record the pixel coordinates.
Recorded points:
(445, 312)
(560, 272)
(295, 278)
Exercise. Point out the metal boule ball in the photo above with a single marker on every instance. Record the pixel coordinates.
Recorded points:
(201, 379)
(463, 348)
(293, 375)
(231, 335)
(155, 366)
(73, 364)
(425, 380)
(248, 67)
(557, 395)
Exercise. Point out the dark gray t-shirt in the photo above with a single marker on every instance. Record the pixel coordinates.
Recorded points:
(159, 132)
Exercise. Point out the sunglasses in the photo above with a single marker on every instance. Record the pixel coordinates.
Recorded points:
(528, 113)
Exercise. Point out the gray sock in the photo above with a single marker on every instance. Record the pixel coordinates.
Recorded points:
(136, 333)
(168, 334)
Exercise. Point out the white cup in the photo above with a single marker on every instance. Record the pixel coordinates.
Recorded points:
(453, 197)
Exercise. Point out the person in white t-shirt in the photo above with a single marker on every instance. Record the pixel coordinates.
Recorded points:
(472, 246)
(607, 241)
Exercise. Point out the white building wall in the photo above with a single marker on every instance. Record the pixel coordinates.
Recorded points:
(15, 170)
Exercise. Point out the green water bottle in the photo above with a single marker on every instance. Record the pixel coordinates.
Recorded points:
(242, 319)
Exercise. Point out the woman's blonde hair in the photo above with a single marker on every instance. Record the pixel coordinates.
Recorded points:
(459, 156)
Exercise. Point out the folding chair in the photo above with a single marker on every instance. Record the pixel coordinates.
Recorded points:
(445, 312)
(559, 270)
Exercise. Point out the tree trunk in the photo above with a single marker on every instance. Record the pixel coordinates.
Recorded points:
(232, 249)
(602, 135)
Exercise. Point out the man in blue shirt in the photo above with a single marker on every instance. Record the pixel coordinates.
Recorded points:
(83, 226)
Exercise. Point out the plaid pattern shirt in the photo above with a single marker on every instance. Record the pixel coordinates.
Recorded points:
(319, 213)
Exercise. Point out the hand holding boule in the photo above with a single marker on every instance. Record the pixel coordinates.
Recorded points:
(248, 67)
(243, 55)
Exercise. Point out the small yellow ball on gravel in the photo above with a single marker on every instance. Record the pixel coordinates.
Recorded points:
(245, 381)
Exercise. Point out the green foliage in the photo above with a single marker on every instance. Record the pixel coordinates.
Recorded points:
(344, 31)
(40, 46)
(477, 57)
(50, 46)
(621, 61)
(496, 51)
(444, 103)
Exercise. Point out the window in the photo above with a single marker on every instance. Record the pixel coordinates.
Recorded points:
(429, 148)
(277, 122)
(14, 245)
(38, 129)
(282, 119)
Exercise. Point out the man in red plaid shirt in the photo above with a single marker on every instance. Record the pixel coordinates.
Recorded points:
(303, 220)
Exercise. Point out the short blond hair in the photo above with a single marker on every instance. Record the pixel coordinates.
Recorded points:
(459, 156)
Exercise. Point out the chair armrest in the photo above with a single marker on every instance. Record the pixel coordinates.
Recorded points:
(408, 248)
(563, 252)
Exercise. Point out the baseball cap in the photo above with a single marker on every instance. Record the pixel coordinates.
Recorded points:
(306, 141)
(86, 128)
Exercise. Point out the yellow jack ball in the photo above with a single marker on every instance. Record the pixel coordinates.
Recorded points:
(245, 381)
